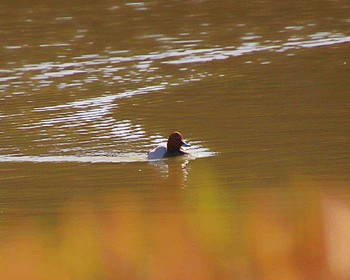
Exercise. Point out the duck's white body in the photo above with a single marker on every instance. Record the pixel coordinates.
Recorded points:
(157, 153)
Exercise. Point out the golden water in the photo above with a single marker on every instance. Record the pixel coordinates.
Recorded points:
(260, 89)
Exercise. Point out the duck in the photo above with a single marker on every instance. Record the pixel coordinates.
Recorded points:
(173, 147)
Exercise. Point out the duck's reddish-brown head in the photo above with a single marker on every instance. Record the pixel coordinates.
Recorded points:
(175, 141)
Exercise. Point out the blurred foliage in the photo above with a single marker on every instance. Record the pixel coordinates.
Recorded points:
(296, 233)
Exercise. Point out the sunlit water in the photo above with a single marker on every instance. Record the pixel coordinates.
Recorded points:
(260, 90)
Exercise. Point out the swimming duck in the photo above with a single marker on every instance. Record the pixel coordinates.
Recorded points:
(172, 149)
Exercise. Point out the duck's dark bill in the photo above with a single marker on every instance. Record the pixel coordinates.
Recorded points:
(185, 144)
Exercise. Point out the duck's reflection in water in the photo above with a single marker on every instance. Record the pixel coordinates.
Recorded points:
(174, 170)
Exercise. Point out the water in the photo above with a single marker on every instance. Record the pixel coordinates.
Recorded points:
(260, 91)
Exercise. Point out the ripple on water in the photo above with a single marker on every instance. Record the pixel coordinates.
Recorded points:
(111, 158)
(93, 116)
(204, 55)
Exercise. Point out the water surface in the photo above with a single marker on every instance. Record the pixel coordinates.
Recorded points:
(260, 89)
